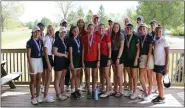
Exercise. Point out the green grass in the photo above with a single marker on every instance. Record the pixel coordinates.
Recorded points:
(9, 37)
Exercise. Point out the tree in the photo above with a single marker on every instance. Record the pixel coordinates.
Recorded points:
(72, 18)
(101, 14)
(65, 7)
(170, 14)
(132, 16)
(89, 17)
(10, 10)
(46, 21)
(80, 13)
(36, 22)
(29, 25)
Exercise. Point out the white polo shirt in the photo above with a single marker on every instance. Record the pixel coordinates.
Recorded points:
(159, 51)
(48, 43)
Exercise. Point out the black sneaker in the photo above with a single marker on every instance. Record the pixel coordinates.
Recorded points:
(158, 100)
(78, 94)
(74, 95)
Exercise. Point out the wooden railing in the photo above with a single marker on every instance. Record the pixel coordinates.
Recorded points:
(17, 62)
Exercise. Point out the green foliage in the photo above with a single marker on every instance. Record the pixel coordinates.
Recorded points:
(36, 22)
(46, 21)
(179, 31)
(10, 10)
(12, 24)
(80, 13)
(29, 25)
(170, 14)
(72, 18)
(88, 17)
(132, 16)
(102, 16)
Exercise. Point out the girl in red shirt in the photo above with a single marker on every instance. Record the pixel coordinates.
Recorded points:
(105, 60)
(91, 57)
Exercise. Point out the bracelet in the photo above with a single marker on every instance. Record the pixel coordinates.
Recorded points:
(109, 58)
(118, 58)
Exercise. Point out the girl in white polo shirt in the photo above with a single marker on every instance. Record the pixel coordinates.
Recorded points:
(161, 62)
(35, 64)
(48, 61)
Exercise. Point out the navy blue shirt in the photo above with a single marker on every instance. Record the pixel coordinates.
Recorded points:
(147, 42)
(35, 52)
(61, 45)
(77, 51)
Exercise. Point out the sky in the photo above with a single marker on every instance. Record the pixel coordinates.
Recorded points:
(37, 9)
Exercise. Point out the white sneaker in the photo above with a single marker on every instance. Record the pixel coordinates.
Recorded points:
(142, 96)
(140, 88)
(105, 95)
(49, 99)
(148, 97)
(61, 97)
(41, 88)
(34, 101)
(39, 100)
(68, 88)
(133, 96)
(127, 93)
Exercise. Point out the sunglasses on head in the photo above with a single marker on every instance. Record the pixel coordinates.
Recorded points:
(63, 32)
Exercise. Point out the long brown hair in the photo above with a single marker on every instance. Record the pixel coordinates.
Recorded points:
(83, 28)
(116, 36)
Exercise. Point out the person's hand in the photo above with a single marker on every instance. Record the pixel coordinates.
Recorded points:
(117, 61)
(49, 68)
(98, 64)
(31, 69)
(83, 65)
(71, 66)
(108, 62)
(166, 69)
(136, 62)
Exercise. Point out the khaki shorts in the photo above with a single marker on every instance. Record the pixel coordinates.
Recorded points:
(143, 60)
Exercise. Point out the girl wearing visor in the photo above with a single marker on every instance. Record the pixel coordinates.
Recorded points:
(60, 63)
(35, 64)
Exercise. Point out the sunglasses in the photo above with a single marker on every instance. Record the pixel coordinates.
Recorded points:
(63, 32)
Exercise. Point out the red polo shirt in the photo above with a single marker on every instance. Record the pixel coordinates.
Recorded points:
(91, 53)
(103, 46)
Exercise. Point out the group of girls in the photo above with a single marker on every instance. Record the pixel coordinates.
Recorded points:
(94, 50)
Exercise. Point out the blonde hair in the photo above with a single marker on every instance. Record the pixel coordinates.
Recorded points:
(48, 27)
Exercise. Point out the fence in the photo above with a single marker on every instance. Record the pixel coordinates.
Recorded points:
(17, 62)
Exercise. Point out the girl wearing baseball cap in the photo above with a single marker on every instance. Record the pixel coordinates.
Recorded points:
(60, 63)
(35, 64)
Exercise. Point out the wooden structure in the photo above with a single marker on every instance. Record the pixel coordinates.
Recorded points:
(17, 61)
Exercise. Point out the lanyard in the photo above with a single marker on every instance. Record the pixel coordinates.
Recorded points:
(77, 42)
(102, 36)
(143, 41)
(63, 44)
(38, 46)
(90, 40)
(128, 43)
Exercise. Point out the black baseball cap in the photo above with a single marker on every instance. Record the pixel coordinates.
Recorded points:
(130, 25)
(41, 24)
(153, 22)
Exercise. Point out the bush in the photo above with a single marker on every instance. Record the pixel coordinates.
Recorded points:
(179, 31)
